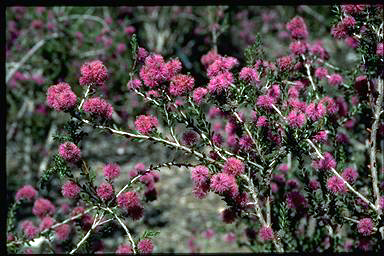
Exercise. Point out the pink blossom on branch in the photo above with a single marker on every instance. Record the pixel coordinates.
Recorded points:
(61, 97)
(93, 73)
(146, 124)
(98, 107)
(26, 192)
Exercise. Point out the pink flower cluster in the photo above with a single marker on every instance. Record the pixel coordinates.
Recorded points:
(61, 97)
(315, 112)
(93, 73)
(155, 70)
(124, 249)
(105, 191)
(43, 207)
(201, 179)
(62, 232)
(26, 192)
(298, 28)
(198, 95)
(365, 226)
(130, 201)
(145, 124)
(296, 119)
(223, 183)
(233, 166)
(325, 164)
(98, 107)
(111, 171)
(29, 229)
(70, 189)
(145, 246)
(336, 185)
(70, 152)
(250, 75)
(350, 174)
(266, 233)
(181, 84)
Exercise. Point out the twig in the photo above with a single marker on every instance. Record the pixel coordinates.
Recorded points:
(125, 228)
(311, 80)
(85, 96)
(94, 225)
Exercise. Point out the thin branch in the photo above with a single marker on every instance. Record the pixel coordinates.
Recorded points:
(94, 225)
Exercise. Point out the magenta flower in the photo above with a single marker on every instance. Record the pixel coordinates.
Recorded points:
(46, 223)
(314, 184)
(250, 75)
(111, 171)
(209, 58)
(223, 183)
(124, 249)
(298, 47)
(284, 63)
(325, 164)
(335, 80)
(208, 234)
(199, 94)
(336, 185)
(145, 246)
(352, 8)
(128, 200)
(93, 73)
(321, 137)
(145, 124)
(43, 207)
(262, 121)
(233, 166)
(321, 72)
(99, 107)
(181, 84)
(61, 97)
(365, 226)
(62, 232)
(29, 229)
(105, 191)
(380, 49)
(266, 233)
(26, 192)
(221, 65)
(265, 101)
(70, 189)
(296, 119)
(350, 174)
(200, 174)
(298, 28)
(220, 83)
(70, 152)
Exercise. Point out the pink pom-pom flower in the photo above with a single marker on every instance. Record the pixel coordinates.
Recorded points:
(98, 107)
(266, 233)
(111, 171)
(233, 166)
(336, 185)
(61, 97)
(26, 192)
(365, 226)
(145, 246)
(93, 73)
(70, 152)
(43, 207)
(181, 84)
(70, 189)
(105, 191)
(145, 124)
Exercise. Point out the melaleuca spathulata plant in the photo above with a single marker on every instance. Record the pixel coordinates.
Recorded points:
(292, 145)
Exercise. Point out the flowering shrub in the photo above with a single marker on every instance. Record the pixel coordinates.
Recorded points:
(279, 140)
